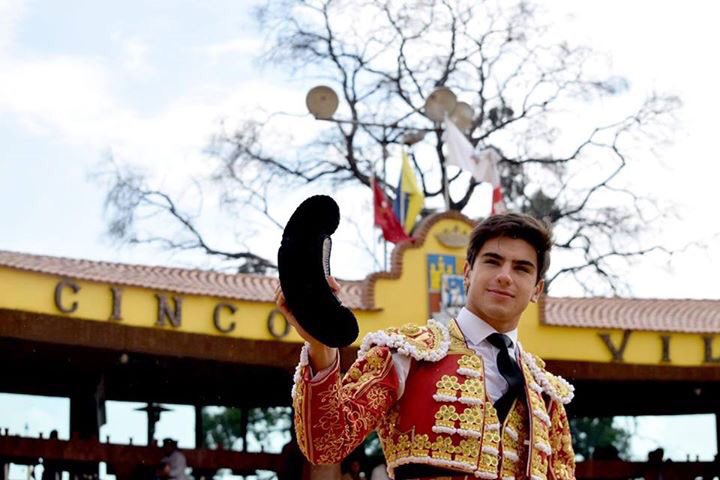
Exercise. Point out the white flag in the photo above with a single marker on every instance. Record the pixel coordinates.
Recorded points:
(482, 164)
(459, 150)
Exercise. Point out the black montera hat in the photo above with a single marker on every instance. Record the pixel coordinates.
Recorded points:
(304, 264)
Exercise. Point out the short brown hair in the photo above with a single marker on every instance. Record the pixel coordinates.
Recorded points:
(537, 233)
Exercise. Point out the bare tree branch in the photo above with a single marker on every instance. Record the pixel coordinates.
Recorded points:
(496, 57)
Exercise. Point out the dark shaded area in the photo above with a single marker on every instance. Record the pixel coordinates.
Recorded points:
(615, 389)
(162, 366)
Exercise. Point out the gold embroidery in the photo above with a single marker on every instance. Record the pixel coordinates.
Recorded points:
(491, 441)
(374, 363)
(472, 419)
(538, 458)
(446, 416)
(514, 448)
(472, 389)
(388, 447)
(299, 406)
(563, 459)
(451, 439)
(442, 448)
(559, 386)
(424, 340)
(447, 386)
(354, 373)
(490, 414)
(371, 367)
(410, 330)
(403, 446)
(457, 341)
(420, 445)
(331, 416)
(386, 431)
(471, 362)
(489, 463)
(377, 398)
(468, 451)
(491, 438)
(387, 425)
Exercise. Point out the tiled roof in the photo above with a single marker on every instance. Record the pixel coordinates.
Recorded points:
(692, 316)
(357, 295)
(258, 288)
(666, 315)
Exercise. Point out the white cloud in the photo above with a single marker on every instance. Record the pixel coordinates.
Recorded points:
(242, 45)
(11, 12)
(61, 95)
(136, 57)
(74, 98)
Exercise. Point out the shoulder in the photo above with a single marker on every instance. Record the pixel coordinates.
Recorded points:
(554, 386)
(422, 342)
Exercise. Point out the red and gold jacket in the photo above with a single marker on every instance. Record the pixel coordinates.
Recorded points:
(444, 418)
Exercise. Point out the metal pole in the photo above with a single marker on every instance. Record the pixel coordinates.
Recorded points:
(384, 176)
(199, 434)
(446, 189)
(717, 436)
(244, 417)
(403, 213)
(443, 170)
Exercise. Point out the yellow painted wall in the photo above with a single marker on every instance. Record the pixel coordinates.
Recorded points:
(34, 292)
(643, 347)
(399, 301)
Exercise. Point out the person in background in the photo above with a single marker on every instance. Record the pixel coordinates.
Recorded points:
(173, 463)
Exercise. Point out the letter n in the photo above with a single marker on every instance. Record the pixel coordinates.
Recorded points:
(173, 315)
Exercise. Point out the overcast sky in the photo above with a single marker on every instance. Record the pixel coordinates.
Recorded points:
(149, 82)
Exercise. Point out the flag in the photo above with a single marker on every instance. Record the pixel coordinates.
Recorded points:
(486, 171)
(482, 165)
(384, 216)
(410, 198)
(459, 150)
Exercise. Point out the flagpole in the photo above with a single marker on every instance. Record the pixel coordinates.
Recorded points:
(446, 189)
(446, 184)
(403, 214)
(384, 163)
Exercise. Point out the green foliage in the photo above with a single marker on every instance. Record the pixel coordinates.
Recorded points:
(591, 436)
(373, 447)
(247, 429)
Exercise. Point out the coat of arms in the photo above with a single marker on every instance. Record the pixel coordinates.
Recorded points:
(446, 290)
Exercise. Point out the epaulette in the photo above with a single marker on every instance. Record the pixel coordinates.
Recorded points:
(422, 342)
(554, 386)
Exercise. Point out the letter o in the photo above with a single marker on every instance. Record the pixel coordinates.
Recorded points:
(272, 327)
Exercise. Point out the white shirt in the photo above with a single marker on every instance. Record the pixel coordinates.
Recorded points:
(379, 473)
(178, 464)
(475, 330)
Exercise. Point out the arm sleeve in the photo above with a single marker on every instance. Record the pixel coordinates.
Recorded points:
(401, 362)
(562, 459)
(333, 415)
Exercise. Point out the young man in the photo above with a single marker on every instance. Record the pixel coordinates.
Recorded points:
(449, 403)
